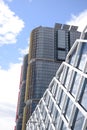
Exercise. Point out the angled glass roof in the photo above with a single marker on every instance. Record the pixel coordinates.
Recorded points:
(64, 103)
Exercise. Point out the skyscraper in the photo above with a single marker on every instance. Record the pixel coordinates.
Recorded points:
(48, 48)
(64, 103)
(41, 67)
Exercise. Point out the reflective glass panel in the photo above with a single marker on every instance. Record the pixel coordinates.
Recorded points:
(75, 83)
(68, 108)
(72, 57)
(54, 113)
(61, 101)
(78, 120)
(68, 77)
(83, 95)
(54, 89)
(83, 57)
(63, 127)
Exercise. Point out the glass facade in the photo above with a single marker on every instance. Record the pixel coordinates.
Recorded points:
(41, 65)
(64, 103)
(48, 48)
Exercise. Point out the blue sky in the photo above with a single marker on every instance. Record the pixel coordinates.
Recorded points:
(34, 13)
(17, 19)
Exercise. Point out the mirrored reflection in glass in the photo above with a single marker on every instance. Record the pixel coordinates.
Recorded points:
(83, 57)
(72, 57)
(84, 101)
(83, 95)
(78, 120)
(50, 105)
(63, 127)
(75, 83)
(54, 88)
(54, 114)
(68, 77)
(61, 101)
(57, 96)
(68, 108)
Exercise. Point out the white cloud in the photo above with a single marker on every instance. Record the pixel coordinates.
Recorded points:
(9, 88)
(9, 82)
(10, 25)
(24, 51)
(79, 20)
(7, 123)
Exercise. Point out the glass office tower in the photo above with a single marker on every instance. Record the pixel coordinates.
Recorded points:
(47, 49)
(64, 103)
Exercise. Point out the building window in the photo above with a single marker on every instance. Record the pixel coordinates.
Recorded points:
(61, 54)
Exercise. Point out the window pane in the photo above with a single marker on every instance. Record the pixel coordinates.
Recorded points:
(63, 127)
(72, 58)
(75, 83)
(61, 54)
(83, 95)
(68, 108)
(50, 106)
(68, 77)
(61, 101)
(54, 114)
(61, 39)
(59, 96)
(78, 120)
(83, 58)
(84, 100)
(54, 87)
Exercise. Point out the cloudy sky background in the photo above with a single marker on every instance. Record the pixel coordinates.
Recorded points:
(17, 19)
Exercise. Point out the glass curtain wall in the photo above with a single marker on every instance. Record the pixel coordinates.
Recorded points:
(64, 103)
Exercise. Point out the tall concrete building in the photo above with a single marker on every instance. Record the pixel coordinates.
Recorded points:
(64, 103)
(48, 48)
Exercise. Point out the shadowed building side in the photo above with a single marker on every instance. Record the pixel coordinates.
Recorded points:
(21, 97)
